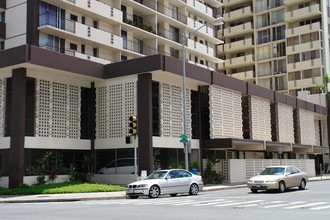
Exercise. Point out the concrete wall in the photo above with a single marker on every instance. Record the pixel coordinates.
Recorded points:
(114, 179)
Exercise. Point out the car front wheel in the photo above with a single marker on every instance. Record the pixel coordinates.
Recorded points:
(154, 191)
(193, 189)
(281, 187)
(254, 190)
(133, 197)
(302, 185)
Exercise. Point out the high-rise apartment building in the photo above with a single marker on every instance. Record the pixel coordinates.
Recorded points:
(108, 31)
(278, 44)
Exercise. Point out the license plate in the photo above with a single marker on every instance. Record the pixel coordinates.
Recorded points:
(130, 191)
(258, 186)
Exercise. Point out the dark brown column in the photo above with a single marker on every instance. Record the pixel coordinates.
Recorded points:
(144, 116)
(3, 4)
(92, 122)
(33, 22)
(16, 152)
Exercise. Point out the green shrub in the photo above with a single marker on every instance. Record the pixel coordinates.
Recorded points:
(76, 176)
(41, 179)
(23, 186)
(211, 176)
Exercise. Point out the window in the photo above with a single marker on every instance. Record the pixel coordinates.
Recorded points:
(293, 41)
(73, 46)
(124, 36)
(278, 33)
(95, 52)
(174, 34)
(95, 24)
(51, 15)
(74, 17)
(137, 20)
(51, 42)
(2, 45)
(83, 49)
(83, 20)
(172, 11)
(263, 20)
(277, 16)
(294, 76)
(263, 36)
(261, 5)
(279, 66)
(122, 58)
(293, 58)
(174, 52)
(305, 38)
(2, 16)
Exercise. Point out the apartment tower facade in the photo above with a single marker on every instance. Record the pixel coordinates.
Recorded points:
(280, 44)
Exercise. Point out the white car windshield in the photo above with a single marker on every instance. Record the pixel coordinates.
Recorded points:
(273, 171)
(157, 175)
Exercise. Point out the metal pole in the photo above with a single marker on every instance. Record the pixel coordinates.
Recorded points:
(184, 38)
(135, 158)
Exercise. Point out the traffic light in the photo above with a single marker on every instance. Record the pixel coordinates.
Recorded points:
(133, 126)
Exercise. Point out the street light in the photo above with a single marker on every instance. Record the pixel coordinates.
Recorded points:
(184, 39)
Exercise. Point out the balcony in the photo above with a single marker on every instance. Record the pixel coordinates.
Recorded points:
(201, 48)
(211, 66)
(246, 76)
(302, 29)
(193, 24)
(171, 13)
(239, 30)
(304, 65)
(201, 8)
(138, 47)
(70, 52)
(313, 45)
(305, 83)
(91, 58)
(238, 14)
(230, 3)
(56, 26)
(303, 13)
(95, 8)
(239, 61)
(149, 3)
(168, 35)
(294, 2)
(129, 19)
(238, 45)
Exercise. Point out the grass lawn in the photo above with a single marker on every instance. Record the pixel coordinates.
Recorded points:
(67, 187)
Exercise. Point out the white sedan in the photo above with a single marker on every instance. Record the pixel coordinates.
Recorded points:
(279, 178)
(171, 182)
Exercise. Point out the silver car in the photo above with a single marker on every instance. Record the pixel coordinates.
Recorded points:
(161, 182)
(279, 178)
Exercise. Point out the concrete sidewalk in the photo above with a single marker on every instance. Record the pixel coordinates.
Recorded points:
(67, 197)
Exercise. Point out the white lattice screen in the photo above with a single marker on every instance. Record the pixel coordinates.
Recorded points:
(225, 113)
(285, 123)
(114, 104)
(2, 107)
(57, 110)
(317, 132)
(261, 124)
(171, 115)
(307, 129)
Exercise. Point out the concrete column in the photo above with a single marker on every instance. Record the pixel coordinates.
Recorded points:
(144, 117)
(17, 131)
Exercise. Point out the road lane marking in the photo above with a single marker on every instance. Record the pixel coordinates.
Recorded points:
(213, 203)
(200, 202)
(306, 205)
(239, 203)
(320, 208)
(285, 204)
(260, 204)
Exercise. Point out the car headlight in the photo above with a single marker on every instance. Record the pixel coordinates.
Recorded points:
(250, 181)
(142, 186)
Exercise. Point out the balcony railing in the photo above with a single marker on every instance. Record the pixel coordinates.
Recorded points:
(129, 19)
(171, 13)
(169, 35)
(149, 3)
(74, 53)
(138, 47)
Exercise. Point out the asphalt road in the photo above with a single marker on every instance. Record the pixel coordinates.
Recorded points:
(312, 203)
